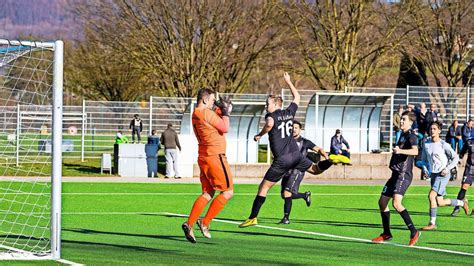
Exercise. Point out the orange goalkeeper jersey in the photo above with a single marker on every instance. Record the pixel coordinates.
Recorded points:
(209, 129)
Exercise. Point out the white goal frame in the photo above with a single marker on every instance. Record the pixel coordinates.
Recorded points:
(56, 172)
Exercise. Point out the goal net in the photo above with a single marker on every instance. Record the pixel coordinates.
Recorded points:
(30, 176)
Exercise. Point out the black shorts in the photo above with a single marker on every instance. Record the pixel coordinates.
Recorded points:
(397, 184)
(291, 181)
(467, 176)
(283, 164)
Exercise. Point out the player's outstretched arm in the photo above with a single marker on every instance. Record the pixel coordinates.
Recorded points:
(294, 91)
(321, 152)
(413, 151)
(266, 128)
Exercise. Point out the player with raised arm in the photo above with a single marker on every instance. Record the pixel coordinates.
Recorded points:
(290, 184)
(209, 127)
(286, 154)
(441, 158)
(401, 165)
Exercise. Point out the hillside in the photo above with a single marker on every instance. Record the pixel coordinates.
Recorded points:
(43, 19)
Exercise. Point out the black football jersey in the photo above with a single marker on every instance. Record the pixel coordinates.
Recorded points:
(281, 135)
(304, 145)
(401, 163)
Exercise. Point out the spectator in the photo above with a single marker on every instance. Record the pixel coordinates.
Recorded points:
(136, 125)
(431, 116)
(421, 119)
(454, 136)
(424, 166)
(119, 138)
(411, 108)
(153, 138)
(396, 123)
(339, 145)
(170, 140)
(466, 130)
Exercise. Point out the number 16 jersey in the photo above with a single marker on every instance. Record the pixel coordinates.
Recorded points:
(281, 135)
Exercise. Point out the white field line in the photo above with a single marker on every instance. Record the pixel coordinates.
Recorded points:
(279, 229)
(68, 262)
(336, 236)
(315, 194)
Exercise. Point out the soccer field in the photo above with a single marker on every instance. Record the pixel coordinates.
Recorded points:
(123, 223)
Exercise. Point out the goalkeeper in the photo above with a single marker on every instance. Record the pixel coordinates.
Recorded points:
(209, 128)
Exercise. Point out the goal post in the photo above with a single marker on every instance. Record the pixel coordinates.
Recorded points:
(31, 73)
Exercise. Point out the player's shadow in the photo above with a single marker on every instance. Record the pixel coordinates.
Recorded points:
(135, 248)
(353, 224)
(164, 237)
(378, 211)
(253, 234)
(452, 244)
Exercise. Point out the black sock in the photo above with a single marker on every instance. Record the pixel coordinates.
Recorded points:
(406, 217)
(324, 165)
(287, 207)
(386, 222)
(298, 196)
(461, 194)
(257, 204)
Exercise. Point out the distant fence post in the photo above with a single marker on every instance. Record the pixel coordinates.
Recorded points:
(468, 102)
(83, 128)
(151, 114)
(391, 122)
(408, 95)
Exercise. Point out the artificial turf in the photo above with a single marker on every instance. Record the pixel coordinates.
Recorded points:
(139, 224)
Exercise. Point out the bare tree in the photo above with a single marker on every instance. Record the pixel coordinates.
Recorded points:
(183, 45)
(440, 41)
(343, 42)
(99, 73)
(443, 30)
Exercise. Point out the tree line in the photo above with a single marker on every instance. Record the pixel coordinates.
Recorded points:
(132, 49)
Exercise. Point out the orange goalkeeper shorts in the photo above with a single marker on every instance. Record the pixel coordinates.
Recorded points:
(215, 173)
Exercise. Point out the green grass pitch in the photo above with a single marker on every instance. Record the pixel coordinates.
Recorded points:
(135, 224)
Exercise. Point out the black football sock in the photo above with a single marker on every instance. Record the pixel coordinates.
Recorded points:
(324, 165)
(386, 222)
(257, 204)
(406, 217)
(287, 207)
(461, 194)
(298, 196)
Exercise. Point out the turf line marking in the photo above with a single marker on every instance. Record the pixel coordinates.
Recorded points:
(69, 262)
(197, 194)
(335, 236)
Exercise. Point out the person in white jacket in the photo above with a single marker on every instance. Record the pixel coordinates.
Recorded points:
(441, 158)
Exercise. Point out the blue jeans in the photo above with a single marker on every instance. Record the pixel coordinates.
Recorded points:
(423, 166)
(453, 142)
(398, 134)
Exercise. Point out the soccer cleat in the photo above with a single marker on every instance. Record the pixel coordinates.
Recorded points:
(429, 227)
(455, 211)
(249, 222)
(472, 213)
(465, 207)
(188, 232)
(344, 159)
(334, 159)
(204, 229)
(307, 198)
(285, 220)
(414, 239)
(382, 238)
